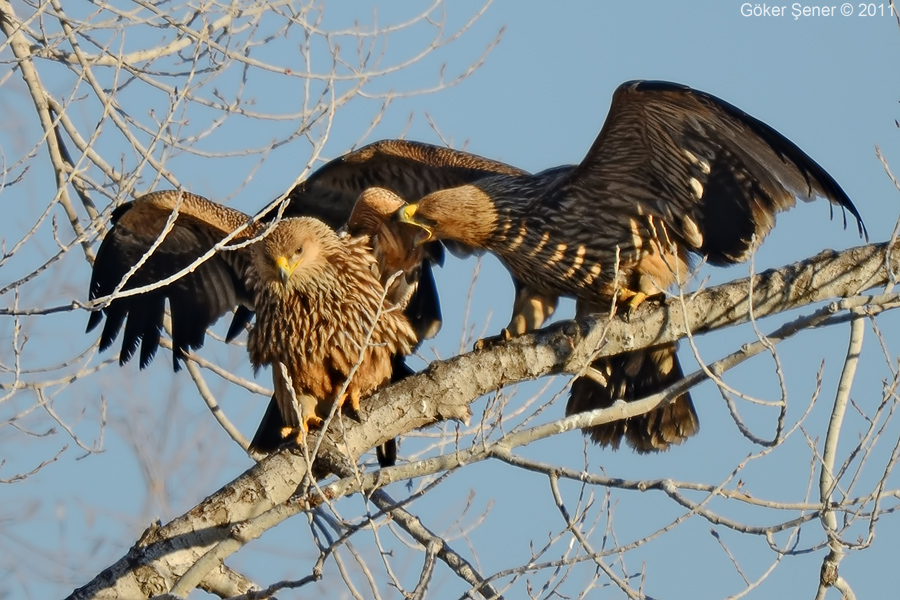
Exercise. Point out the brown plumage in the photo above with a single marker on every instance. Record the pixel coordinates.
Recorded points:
(401, 266)
(317, 295)
(411, 170)
(319, 311)
(400, 259)
(674, 172)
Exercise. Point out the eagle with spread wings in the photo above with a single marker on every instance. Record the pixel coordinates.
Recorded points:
(337, 195)
(322, 320)
(674, 172)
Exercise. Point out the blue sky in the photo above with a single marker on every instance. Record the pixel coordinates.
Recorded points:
(538, 101)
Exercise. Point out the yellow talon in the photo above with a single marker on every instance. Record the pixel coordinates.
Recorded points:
(299, 433)
(631, 299)
(354, 396)
(504, 336)
(313, 420)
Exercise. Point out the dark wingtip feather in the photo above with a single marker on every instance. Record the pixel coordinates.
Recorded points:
(178, 357)
(424, 308)
(148, 350)
(94, 319)
(114, 320)
(153, 326)
(135, 330)
(268, 438)
(860, 226)
(242, 317)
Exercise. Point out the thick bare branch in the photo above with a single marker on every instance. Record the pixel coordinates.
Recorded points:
(445, 390)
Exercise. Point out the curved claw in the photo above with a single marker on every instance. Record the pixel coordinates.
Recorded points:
(353, 411)
(354, 414)
(298, 434)
(488, 342)
(631, 299)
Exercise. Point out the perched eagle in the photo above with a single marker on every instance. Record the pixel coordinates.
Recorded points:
(674, 172)
(330, 194)
(411, 170)
(320, 305)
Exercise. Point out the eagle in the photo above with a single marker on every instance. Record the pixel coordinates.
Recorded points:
(674, 173)
(224, 281)
(322, 319)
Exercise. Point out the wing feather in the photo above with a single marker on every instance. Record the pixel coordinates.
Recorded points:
(196, 300)
(716, 175)
(409, 169)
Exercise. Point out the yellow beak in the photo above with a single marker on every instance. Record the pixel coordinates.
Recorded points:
(285, 269)
(407, 214)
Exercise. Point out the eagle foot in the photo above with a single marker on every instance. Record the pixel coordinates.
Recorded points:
(484, 343)
(298, 434)
(631, 300)
(352, 410)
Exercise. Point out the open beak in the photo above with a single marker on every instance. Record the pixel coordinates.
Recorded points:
(285, 269)
(407, 214)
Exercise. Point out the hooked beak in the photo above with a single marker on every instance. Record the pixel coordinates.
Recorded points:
(407, 214)
(285, 269)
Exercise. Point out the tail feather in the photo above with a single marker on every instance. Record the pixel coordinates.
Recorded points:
(386, 453)
(632, 376)
(268, 435)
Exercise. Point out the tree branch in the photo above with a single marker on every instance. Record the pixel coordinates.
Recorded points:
(445, 389)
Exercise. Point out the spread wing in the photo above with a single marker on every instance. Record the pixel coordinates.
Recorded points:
(716, 175)
(196, 299)
(409, 169)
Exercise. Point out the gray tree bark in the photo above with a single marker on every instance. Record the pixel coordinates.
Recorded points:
(278, 487)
